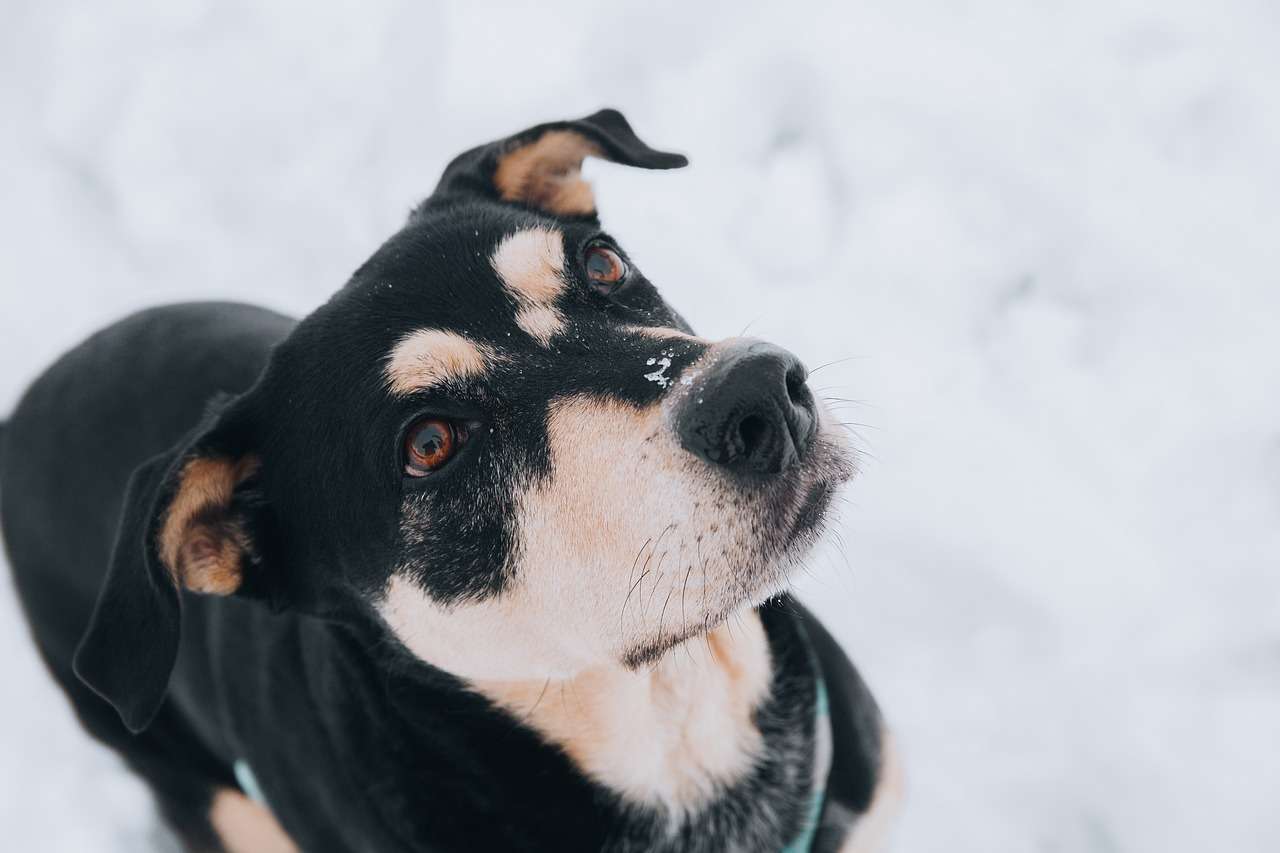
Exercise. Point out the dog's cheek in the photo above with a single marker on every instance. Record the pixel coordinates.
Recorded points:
(454, 544)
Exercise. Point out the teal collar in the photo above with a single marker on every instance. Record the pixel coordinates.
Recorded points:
(248, 782)
(822, 751)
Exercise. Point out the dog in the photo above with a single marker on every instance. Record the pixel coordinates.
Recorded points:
(489, 552)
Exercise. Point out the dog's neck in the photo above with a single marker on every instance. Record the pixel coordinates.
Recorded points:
(668, 734)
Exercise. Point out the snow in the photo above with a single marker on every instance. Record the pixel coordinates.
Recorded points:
(1036, 243)
(659, 375)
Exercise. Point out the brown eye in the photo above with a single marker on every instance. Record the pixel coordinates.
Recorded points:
(430, 443)
(605, 268)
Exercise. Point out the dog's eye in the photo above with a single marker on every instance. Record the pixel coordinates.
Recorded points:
(605, 268)
(430, 443)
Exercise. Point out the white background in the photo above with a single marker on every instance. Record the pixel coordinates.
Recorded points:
(1046, 241)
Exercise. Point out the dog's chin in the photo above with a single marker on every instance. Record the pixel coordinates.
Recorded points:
(780, 554)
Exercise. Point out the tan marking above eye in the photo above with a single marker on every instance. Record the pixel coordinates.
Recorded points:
(540, 323)
(431, 357)
(663, 333)
(530, 264)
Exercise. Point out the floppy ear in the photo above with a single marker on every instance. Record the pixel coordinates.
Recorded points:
(542, 166)
(187, 523)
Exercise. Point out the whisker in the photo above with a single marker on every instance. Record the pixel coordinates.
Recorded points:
(662, 617)
(538, 702)
(837, 361)
(622, 615)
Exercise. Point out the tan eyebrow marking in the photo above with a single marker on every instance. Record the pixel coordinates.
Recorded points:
(540, 323)
(430, 357)
(663, 333)
(530, 264)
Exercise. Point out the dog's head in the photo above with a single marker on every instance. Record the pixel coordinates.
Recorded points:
(498, 437)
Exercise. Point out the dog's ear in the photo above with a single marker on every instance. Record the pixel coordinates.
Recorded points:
(542, 166)
(189, 521)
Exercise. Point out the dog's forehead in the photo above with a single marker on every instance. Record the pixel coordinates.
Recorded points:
(456, 297)
(473, 272)
(441, 268)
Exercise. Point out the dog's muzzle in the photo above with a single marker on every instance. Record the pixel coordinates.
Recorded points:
(752, 412)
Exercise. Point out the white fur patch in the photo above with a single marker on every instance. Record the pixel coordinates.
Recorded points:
(431, 357)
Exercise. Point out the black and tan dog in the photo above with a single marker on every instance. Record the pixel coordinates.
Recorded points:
(487, 553)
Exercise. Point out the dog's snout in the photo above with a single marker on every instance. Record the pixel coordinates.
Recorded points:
(753, 411)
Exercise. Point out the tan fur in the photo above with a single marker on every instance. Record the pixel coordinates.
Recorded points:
(540, 323)
(203, 557)
(243, 826)
(499, 638)
(430, 357)
(666, 734)
(531, 266)
(547, 173)
(871, 833)
(662, 333)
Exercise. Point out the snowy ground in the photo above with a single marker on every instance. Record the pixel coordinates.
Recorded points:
(1047, 241)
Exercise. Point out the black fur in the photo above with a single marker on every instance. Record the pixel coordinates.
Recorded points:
(357, 744)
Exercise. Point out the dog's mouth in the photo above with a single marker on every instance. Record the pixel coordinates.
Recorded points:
(811, 513)
(801, 509)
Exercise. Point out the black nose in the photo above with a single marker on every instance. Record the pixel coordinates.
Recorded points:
(751, 411)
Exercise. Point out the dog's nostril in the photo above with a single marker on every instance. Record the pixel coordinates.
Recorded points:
(797, 389)
(752, 434)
